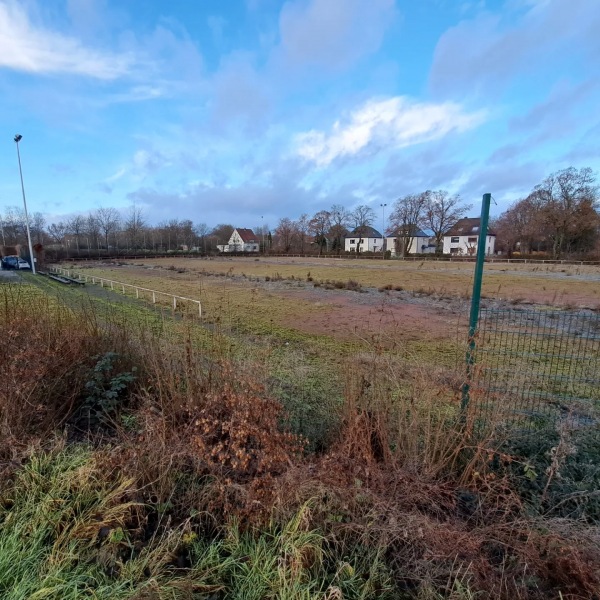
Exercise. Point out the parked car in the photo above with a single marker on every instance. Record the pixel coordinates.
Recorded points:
(14, 262)
(10, 262)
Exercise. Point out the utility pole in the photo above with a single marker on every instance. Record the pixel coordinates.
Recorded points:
(383, 228)
(17, 139)
(2, 228)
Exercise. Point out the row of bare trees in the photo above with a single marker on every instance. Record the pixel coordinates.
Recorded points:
(107, 230)
(436, 211)
(324, 230)
(559, 216)
(104, 230)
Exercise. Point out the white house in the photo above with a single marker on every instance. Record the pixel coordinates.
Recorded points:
(364, 239)
(241, 240)
(463, 237)
(420, 242)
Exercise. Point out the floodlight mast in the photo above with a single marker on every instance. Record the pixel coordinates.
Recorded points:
(383, 245)
(17, 139)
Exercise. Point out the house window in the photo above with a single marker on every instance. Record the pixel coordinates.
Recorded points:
(472, 240)
(475, 229)
(454, 240)
(353, 241)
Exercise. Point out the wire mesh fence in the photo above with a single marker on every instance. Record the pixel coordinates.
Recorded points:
(539, 370)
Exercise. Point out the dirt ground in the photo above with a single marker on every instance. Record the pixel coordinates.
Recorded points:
(352, 315)
(431, 305)
(278, 291)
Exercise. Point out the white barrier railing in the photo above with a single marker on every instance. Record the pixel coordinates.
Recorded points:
(102, 281)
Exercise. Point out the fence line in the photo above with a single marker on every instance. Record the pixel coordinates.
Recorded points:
(103, 280)
(540, 369)
(350, 256)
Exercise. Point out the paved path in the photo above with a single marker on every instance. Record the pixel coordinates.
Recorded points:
(9, 275)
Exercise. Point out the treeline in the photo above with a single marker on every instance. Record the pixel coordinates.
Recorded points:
(107, 230)
(435, 211)
(559, 217)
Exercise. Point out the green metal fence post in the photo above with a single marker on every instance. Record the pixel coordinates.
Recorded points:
(476, 298)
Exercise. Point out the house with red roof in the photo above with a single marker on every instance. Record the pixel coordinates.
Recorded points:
(241, 240)
(463, 237)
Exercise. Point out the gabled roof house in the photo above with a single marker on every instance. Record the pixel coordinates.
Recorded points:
(364, 239)
(463, 237)
(241, 240)
(416, 240)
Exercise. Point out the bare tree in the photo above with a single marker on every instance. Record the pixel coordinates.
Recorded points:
(14, 225)
(302, 232)
(201, 231)
(285, 233)
(76, 227)
(340, 221)
(520, 227)
(92, 232)
(319, 227)
(221, 233)
(405, 219)
(134, 226)
(57, 232)
(37, 222)
(108, 221)
(441, 212)
(362, 217)
(186, 233)
(569, 202)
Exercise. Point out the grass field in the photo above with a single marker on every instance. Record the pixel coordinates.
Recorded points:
(298, 442)
(557, 285)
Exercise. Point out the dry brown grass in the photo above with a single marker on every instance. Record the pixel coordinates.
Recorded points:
(546, 284)
(402, 476)
(46, 353)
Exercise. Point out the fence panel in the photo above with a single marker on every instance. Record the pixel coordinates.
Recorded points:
(539, 369)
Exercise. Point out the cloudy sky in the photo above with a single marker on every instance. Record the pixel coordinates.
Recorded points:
(226, 111)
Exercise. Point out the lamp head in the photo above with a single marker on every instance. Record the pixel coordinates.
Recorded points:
(18, 138)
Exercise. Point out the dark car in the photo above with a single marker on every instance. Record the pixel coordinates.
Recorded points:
(15, 262)
(10, 262)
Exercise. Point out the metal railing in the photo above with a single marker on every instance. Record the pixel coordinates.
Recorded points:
(139, 291)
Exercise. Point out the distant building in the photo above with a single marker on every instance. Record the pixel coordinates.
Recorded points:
(463, 237)
(241, 240)
(364, 239)
(417, 242)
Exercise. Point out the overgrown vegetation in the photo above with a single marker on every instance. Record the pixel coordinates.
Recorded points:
(193, 481)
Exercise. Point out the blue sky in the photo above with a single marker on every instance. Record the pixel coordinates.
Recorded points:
(226, 111)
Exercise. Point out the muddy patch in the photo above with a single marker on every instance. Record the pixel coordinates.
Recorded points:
(362, 316)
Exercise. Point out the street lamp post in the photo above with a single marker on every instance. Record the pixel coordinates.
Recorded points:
(18, 138)
(262, 226)
(2, 228)
(383, 228)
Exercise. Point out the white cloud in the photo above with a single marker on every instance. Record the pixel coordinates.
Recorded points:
(332, 33)
(34, 49)
(391, 123)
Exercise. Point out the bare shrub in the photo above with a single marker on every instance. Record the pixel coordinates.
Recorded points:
(46, 356)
